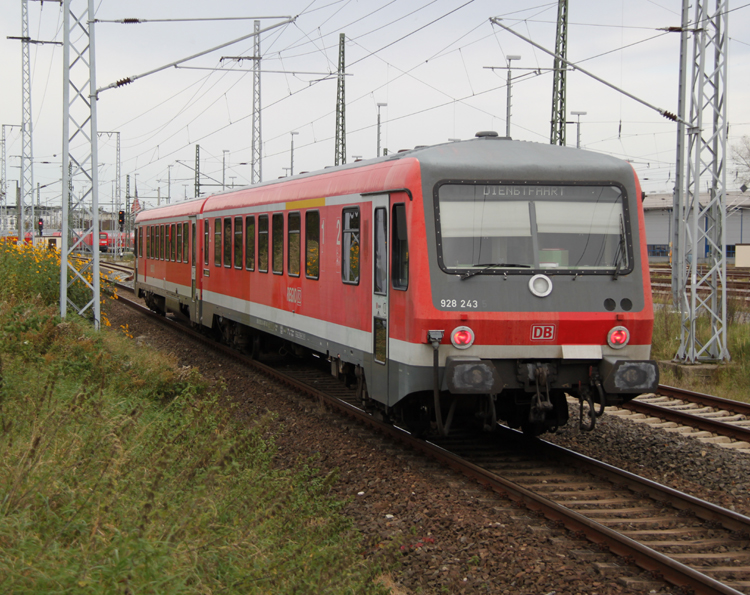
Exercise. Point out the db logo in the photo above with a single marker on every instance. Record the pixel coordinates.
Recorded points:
(543, 332)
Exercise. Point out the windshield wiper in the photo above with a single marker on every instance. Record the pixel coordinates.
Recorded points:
(485, 266)
(620, 250)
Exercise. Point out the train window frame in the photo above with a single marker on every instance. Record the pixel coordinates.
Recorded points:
(263, 233)
(185, 241)
(294, 243)
(167, 242)
(250, 243)
(277, 247)
(217, 241)
(399, 247)
(148, 241)
(238, 242)
(228, 241)
(173, 243)
(178, 247)
(206, 240)
(351, 251)
(163, 243)
(380, 254)
(312, 266)
(529, 196)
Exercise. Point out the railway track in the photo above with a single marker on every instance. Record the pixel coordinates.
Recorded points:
(711, 419)
(682, 540)
(737, 282)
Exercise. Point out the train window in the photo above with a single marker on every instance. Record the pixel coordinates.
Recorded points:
(277, 241)
(263, 243)
(167, 239)
(293, 243)
(228, 242)
(178, 251)
(173, 243)
(217, 242)
(238, 242)
(139, 235)
(312, 244)
(522, 228)
(162, 241)
(185, 242)
(250, 243)
(153, 241)
(380, 267)
(400, 247)
(350, 252)
(206, 237)
(380, 339)
(148, 242)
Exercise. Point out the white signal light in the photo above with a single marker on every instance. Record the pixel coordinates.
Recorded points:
(462, 337)
(540, 285)
(618, 337)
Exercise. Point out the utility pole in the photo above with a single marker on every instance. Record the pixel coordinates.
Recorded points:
(224, 169)
(509, 95)
(257, 138)
(169, 184)
(80, 158)
(27, 154)
(197, 171)
(118, 186)
(340, 149)
(377, 154)
(678, 197)
(291, 158)
(557, 134)
(702, 226)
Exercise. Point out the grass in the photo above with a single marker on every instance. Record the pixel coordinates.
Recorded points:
(124, 473)
(730, 380)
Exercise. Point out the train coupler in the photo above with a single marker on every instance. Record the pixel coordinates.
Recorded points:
(540, 403)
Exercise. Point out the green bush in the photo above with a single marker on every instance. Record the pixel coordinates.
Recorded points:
(123, 473)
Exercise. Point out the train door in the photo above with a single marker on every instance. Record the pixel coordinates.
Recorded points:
(378, 381)
(195, 314)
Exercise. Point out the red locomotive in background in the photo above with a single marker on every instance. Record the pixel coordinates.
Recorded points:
(490, 277)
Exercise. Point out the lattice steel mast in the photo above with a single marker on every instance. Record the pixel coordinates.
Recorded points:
(340, 155)
(26, 214)
(80, 290)
(557, 134)
(702, 227)
(257, 139)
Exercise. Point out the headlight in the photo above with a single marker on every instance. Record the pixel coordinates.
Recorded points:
(462, 337)
(618, 337)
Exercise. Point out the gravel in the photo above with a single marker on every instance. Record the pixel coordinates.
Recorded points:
(447, 534)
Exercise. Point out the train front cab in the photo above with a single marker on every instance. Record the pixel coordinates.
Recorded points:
(543, 292)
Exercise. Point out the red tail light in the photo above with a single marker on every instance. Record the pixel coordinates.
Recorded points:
(618, 337)
(462, 337)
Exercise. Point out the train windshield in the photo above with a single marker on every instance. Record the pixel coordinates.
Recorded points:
(521, 228)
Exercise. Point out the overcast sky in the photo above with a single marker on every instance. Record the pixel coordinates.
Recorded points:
(426, 59)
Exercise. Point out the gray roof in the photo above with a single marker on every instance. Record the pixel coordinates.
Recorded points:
(664, 201)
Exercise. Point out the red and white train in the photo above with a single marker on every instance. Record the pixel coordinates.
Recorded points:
(489, 277)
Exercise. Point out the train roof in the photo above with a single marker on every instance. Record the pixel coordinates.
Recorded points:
(486, 157)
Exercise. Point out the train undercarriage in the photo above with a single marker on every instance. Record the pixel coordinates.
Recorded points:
(535, 399)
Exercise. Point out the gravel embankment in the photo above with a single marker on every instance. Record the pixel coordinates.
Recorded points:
(449, 534)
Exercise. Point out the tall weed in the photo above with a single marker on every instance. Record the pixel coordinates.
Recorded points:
(121, 473)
